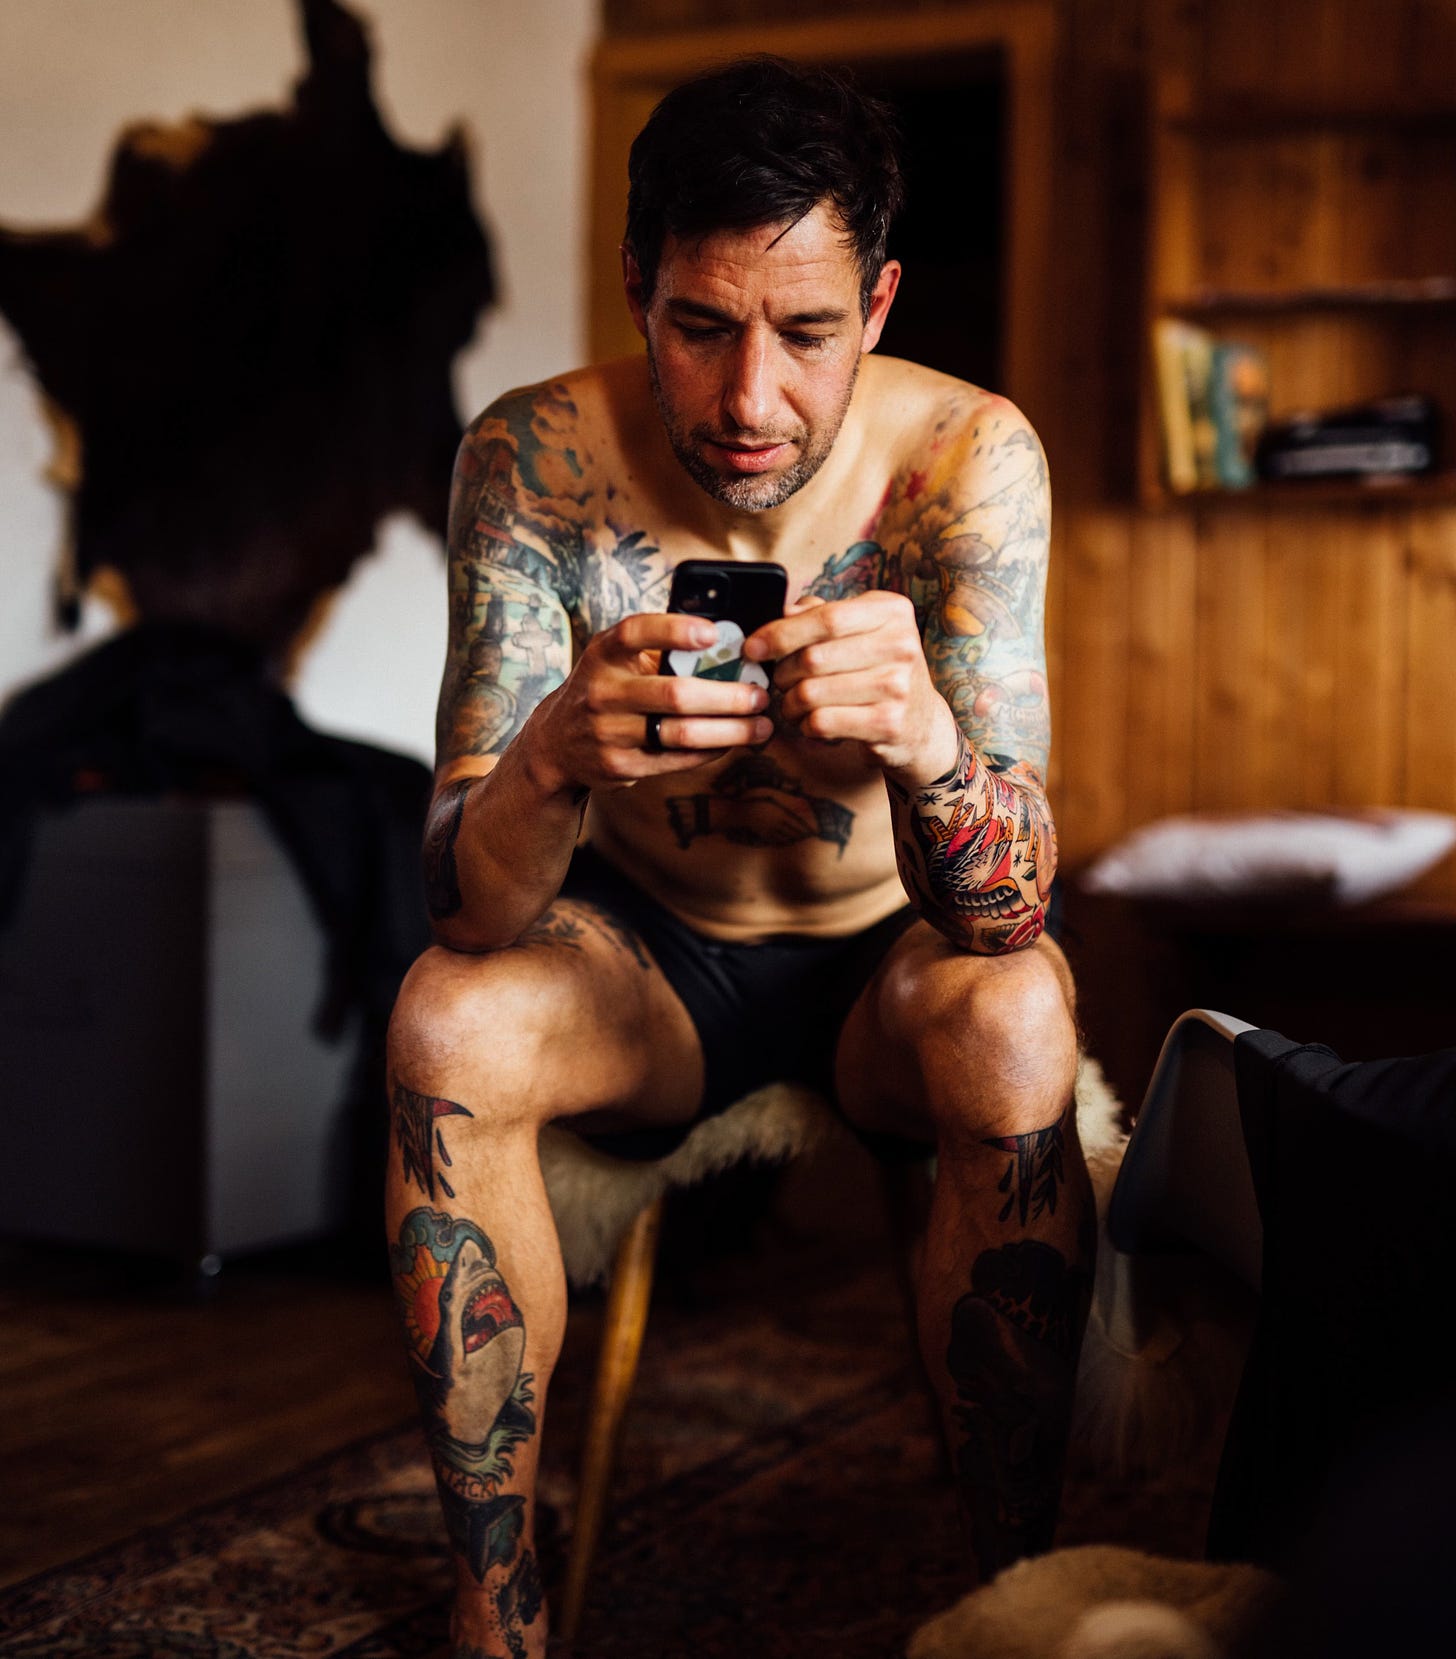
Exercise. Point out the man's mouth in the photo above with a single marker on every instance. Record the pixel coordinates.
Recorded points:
(741, 457)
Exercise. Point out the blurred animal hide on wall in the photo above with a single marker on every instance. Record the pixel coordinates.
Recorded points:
(247, 348)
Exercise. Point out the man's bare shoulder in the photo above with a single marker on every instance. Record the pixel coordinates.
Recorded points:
(560, 441)
(928, 420)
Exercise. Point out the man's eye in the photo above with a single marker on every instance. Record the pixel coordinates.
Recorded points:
(808, 342)
(706, 331)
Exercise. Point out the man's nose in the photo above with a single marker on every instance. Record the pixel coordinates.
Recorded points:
(749, 398)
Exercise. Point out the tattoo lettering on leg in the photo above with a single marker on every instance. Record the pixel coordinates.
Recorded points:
(466, 1340)
(417, 1130)
(1036, 1169)
(1012, 1356)
(442, 880)
(755, 803)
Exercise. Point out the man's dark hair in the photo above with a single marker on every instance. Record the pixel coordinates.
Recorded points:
(760, 142)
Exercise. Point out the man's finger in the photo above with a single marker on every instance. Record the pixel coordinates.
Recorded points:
(843, 655)
(630, 731)
(858, 690)
(657, 631)
(830, 620)
(678, 694)
(678, 732)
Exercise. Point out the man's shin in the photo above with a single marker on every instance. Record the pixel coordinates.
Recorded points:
(1005, 1290)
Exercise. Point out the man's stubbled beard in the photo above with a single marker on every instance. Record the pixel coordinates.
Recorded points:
(748, 493)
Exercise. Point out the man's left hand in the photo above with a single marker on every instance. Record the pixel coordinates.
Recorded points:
(854, 669)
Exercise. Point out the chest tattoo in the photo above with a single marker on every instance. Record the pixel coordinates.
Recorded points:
(754, 802)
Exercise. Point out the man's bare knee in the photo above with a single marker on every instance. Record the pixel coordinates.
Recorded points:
(994, 1039)
(490, 1030)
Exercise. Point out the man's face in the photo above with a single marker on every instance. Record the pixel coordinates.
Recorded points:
(753, 342)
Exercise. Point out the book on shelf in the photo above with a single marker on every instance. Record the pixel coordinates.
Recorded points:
(1213, 398)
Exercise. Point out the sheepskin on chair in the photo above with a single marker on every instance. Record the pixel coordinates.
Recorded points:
(595, 1197)
(1101, 1601)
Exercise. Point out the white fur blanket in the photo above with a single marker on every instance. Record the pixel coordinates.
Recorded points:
(594, 1196)
(1101, 1601)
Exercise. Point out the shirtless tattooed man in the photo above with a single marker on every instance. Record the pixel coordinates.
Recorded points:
(843, 880)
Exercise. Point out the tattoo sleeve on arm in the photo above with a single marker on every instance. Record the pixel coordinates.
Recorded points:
(977, 854)
(516, 550)
(442, 880)
(976, 847)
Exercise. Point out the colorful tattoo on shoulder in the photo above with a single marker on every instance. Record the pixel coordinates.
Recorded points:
(466, 1341)
(516, 554)
(863, 567)
(417, 1132)
(1037, 1167)
(530, 568)
(754, 802)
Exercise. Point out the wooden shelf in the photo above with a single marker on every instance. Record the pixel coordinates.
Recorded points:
(1256, 245)
(1434, 488)
(1429, 294)
(1260, 121)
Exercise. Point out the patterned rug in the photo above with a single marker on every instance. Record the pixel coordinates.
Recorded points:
(782, 1492)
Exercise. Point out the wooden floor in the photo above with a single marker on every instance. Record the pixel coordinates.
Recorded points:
(125, 1401)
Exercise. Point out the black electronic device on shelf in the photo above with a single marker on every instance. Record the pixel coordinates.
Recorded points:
(1391, 437)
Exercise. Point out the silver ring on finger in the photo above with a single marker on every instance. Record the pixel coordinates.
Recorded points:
(653, 743)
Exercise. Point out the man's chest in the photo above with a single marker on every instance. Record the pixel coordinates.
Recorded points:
(622, 569)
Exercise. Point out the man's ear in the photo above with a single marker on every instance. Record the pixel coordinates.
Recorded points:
(632, 286)
(881, 299)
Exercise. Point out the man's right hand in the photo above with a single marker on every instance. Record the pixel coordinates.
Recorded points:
(592, 732)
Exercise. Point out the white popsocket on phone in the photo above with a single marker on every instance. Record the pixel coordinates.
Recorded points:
(722, 660)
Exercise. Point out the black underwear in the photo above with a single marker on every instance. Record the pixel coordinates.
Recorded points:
(769, 1012)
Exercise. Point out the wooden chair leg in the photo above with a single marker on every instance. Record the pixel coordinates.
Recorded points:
(626, 1321)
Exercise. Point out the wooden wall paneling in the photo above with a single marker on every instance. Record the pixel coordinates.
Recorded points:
(1233, 756)
(1301, 605)
(616, 121)
(1366, 566)
(1430, 69)
(1431, 196)
(1237, 50)
(1428, 727)
(1373, 186)
(1307, 41)
(1161, 648)
(1056, 613)
(1374, 67)
(1092, 696)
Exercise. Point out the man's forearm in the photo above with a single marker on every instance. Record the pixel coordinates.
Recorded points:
(977, 851)
(496, 851)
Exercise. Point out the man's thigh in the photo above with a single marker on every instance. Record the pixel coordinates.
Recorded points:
(932, 1015)
(574, 1019)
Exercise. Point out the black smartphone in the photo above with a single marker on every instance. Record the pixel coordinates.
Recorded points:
(737, 597)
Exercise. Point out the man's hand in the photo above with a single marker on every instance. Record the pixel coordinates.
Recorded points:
(855, 669)
(592, 731)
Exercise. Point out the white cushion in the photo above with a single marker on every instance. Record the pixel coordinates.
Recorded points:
(1350, 857)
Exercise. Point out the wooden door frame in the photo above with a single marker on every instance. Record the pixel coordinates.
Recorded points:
(629, 75)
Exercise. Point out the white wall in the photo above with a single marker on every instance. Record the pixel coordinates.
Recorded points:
(73, 72)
